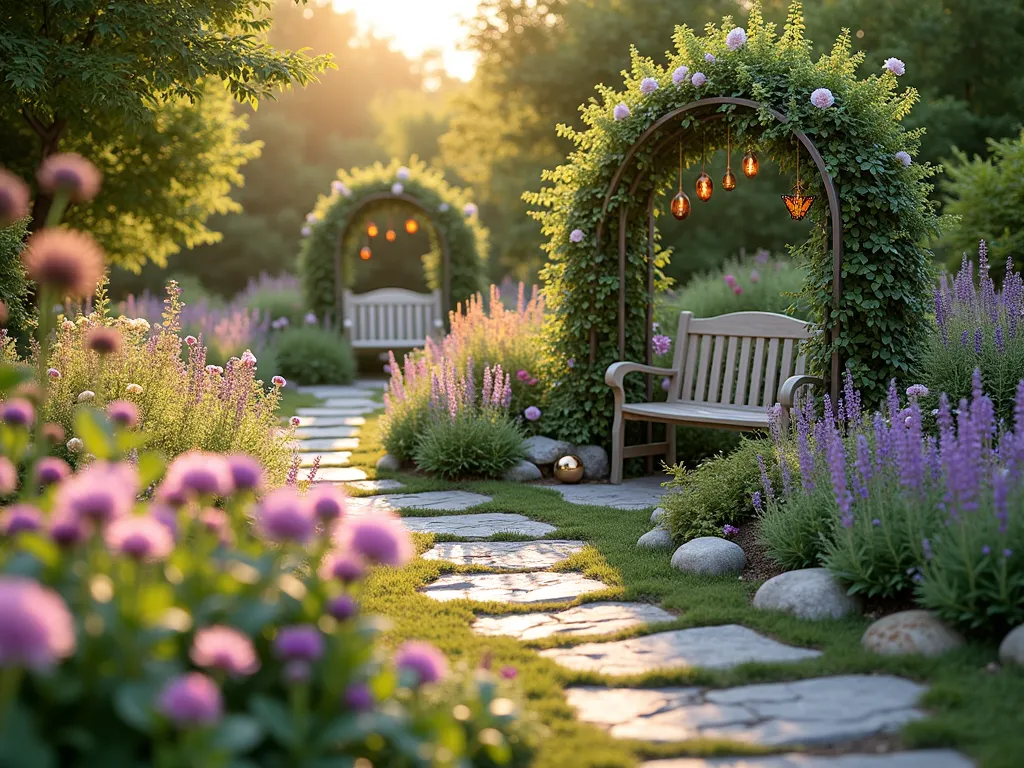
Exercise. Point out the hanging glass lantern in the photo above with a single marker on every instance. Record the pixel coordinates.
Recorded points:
(680, 203)
(798, 204)
(704, 184)
(372, 230)
(390, 236)
(729, 180)
(411, 226)
(750, 164)
(365, 253)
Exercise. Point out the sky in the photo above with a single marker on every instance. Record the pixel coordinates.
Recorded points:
(416, 26)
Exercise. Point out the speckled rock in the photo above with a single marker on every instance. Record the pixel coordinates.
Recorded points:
(709, 555)
(658, 515)
(1011, 650)
(522, 471)
(543, 450)
(389, 463)
(809, 593)
(910, 632)
(595, 461)
(657, 538)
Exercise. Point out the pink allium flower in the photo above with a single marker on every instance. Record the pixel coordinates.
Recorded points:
(19, 518)
(402, 173)
(522, 375)
(103, 340)
(306, 230)
(661, 344)
(36, 628)
(100, 493)
(295, 421)
(509, 673)
(339, 188)
(679, 75)
(124, 413)
(736, 39)
(424, 660)
(576, 236)
(822, 98)
(755, 276)
(342, 607)
(571, 362)
(730, 280)
(139, 537)
(71, 174)
(66, 530)
(310, 319)
(648, 86)
(8, 476)
(737, 289)
(17, 412)
(328, 502)
(196, 473)
(917, 390)
(225, 649)
(346, 567)
(66, 261)
(53, 373)
(621, 111)
(248, 359)
(192, 700)
(246, 472)
(379, 539)
(698, 79)
(278, 381)
(75, 445)
(191, 340)
(895, 66)
(709, 58)
(666, 384)
(284, 516)
(532, 382)
(470, 209)
(397, 188)
(904, 158)
(14, 197)
(301, 642)
(49, 470)
(359, 697)
(532, 413)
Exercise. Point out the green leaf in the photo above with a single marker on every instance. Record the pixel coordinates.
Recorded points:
(133, 703)
(237, 733)
(275, 719)
(151, 467)
(95, 432)
(12, 375)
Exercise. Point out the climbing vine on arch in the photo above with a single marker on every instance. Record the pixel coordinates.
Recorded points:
(869, 156)
(446, 212)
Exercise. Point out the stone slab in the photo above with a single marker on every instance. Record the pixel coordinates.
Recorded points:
(327, 444)
(325, 391)
(637, 493)
(539, 587)
(331, 421)
(588, 619)
(924, 758)
(352, 404)
(333, 412)
(822, 711)
(321, 432)
(339, 475)
(455, 501)
(508, 555)
(374, 486)
(327, 458)
(480, 526)
(720, 647)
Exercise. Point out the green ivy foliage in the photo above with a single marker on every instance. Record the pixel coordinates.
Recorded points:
(13, 283)
(465, 235)
(885, 208)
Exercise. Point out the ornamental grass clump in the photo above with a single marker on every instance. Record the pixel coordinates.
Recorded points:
(467, 434)
(976, 327)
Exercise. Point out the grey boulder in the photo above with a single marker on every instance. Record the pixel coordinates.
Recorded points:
(809, 593)
(709, 555)
(389, 463)
(910, 632)
(657, 538)
(658, 515)
(595, 461)
(522, 471)
(543, 450)
(1011, 650)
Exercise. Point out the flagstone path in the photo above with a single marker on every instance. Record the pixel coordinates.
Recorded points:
(815, 713)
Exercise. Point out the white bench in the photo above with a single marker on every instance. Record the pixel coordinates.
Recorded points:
(726, 372)
(391, 318)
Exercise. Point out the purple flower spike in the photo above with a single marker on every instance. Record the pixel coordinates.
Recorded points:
(192, 700)
(424, 660)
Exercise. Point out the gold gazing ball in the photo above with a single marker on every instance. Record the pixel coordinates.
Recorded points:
(569, 469)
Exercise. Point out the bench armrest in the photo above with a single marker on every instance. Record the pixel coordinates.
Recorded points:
(787, 394)
(616, 374)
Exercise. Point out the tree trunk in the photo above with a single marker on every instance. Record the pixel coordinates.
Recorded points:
(49, 144)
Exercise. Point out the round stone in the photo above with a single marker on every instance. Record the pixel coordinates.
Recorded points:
(809, 593)
(595, 461)
(522, 471)
(910, 632)
(658, 515)
(1011, 650)
(543, 450)
(658, 538)
(709, 555)
(389, 463)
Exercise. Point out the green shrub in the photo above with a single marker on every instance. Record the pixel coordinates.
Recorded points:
(694, 444)
(716, 493)
(276, 301)
(796, 534)
(13, 284)
(312, 355)
(470, 445)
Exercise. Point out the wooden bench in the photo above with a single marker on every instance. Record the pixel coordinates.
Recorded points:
(391, 318)
(726, 372)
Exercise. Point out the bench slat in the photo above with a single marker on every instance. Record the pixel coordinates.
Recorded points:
(716, 370)
(730, 371)
(702, 369)
(768, 395)
(691, 365)
(756, 372)
(741, 387)
(787, 362)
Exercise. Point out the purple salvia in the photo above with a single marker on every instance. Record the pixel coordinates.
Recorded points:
(999, 339)
(852, 398)
(758, 506)
(940, 313)
(485, 395)
(908, 448)
(775, 424)
(883, 441)
(977, 341)
(804, 455)
(836, 456)
(506, 400)
(963, 338)
(999, 493)
(932, 460)
(311, 477)
(470, 384)
(893, 402)
(862, 476)
(787, 480)
(766, 481)
(926, 549)
(293, 472)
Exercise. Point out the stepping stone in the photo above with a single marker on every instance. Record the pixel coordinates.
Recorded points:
(820, 711)
(334, 412)
(324, 391)
(324, 444)
(331, 421)
(515, 555)
(374, 485)
(352, 404)
(446, 500)
(540, 587)
(638, 493)
(720, 647)
(588, 619)
(314, 432)
(924, 758)
(481, 526)
(339, 474)
(328, 459)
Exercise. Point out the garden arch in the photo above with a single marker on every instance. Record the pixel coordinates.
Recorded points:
(868, 276)
(455, 265)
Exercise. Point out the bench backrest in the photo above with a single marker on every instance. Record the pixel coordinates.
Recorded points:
(740, 359)
(391, 318)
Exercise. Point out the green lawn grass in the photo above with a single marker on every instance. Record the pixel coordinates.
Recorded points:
(972, 710)
(292, 400)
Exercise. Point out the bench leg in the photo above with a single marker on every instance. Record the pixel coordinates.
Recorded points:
(618, 447)
(670, 438)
